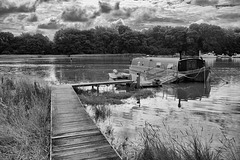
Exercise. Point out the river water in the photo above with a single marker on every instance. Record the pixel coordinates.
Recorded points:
(211, 109)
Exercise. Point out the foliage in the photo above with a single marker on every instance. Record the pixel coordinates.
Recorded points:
(24, 119)
(158, 40)
(6, 39)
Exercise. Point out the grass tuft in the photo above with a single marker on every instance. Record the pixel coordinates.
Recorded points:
(101, 112)
(25, 119)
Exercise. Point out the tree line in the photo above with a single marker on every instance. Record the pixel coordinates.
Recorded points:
(158, 40)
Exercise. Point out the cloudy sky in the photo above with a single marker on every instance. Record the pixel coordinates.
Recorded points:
(47, 16)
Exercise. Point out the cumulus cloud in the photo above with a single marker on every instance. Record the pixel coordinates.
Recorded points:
(105, 7)
(52, 24)
(11, 6)
(79, 13)
(144, 14)
(32, 18)
(204, 2)
(229, 16)
(152, 15)
(117, 23)
(22, 16)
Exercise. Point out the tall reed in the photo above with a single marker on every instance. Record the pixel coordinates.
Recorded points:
(24, 119)
(192, 146)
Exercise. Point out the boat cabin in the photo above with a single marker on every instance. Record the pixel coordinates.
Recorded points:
(190, 64)
(143, 64)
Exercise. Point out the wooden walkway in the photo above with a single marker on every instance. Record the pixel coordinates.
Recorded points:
(74, 135)
(102, 83)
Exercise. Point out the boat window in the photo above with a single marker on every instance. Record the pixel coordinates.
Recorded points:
(191, 64)
(158, 64)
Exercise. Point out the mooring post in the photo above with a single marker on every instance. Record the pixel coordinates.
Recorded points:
(97, 88)
(138, 80)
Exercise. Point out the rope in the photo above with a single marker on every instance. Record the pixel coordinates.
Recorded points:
(196, 75)
(220, 77)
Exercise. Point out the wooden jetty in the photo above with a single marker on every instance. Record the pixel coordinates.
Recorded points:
(102, 83)
(74, 135)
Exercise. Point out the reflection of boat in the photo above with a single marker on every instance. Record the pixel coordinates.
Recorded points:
(192, 91)
(152, 70)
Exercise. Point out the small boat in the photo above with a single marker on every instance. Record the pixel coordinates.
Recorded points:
(118, 75)
(209, 55)
(223, 56)
(153, 71)
(235, 55)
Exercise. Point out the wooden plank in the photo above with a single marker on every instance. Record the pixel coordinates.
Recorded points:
(102, 83)
(74, 135)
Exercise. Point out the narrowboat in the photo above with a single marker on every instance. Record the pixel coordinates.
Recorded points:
(193, 70)
(209, 55)
(158, 70)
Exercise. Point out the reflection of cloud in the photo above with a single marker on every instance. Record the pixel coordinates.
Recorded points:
(11, 6)
(53, 24)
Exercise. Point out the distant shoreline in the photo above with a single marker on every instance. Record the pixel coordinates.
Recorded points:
(78, 56)
(67, 56)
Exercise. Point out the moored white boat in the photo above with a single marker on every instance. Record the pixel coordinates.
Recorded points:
(223, 56)
(236, 55)
(209, 55)
(152, 70)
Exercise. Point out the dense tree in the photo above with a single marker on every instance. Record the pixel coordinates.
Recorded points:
(158, 40)
(74, 41)
(106, 40)
(31, 44)
(6, 39)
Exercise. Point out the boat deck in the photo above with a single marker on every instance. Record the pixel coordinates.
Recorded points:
(74, 135)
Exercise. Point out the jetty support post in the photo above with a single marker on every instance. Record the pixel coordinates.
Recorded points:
(138, 80)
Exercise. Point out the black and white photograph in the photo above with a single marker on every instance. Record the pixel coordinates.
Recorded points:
(119, 79)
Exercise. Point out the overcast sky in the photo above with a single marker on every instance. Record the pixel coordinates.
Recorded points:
(47, 16)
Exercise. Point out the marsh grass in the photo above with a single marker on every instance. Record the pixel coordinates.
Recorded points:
(143, 93)
(25, 119)
(93, 98)
(101, 112)
(191, 147)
